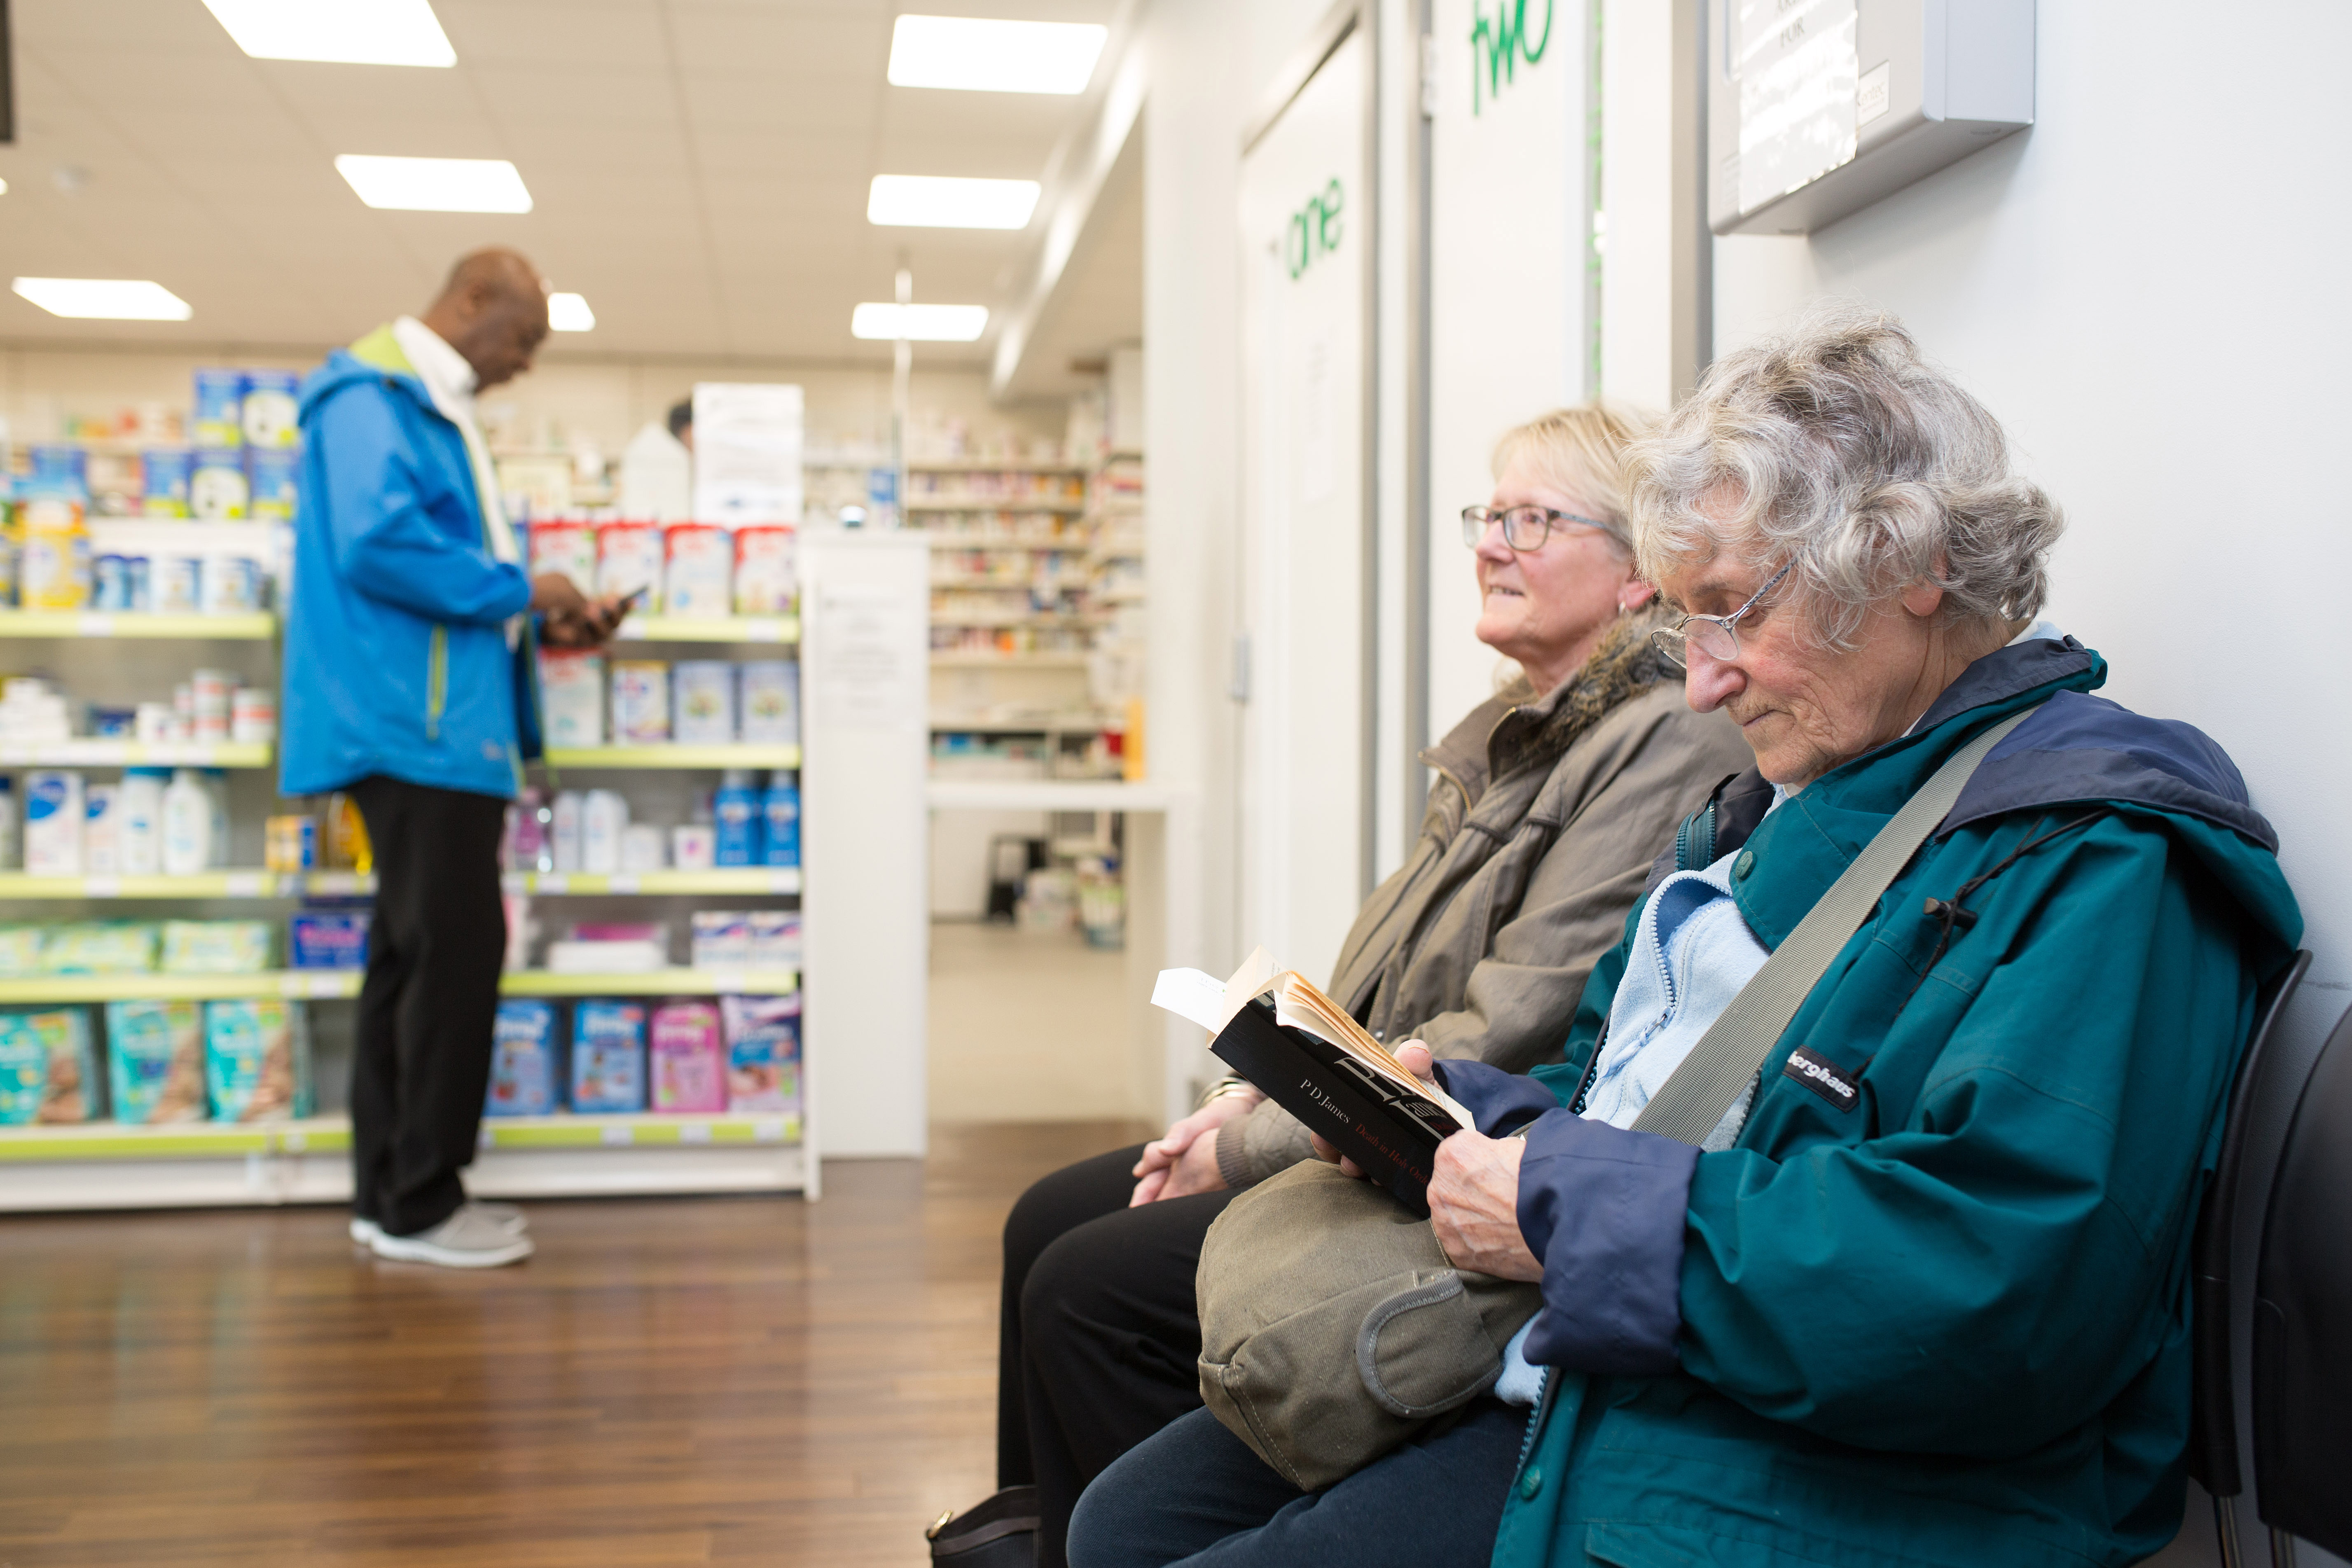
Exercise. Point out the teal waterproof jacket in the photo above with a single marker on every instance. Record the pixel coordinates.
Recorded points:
(397, 660)
(1932, 1308)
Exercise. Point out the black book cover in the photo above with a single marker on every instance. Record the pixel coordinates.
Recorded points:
(1391, 1134)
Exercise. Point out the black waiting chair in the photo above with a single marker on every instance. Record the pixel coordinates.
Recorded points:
(2303, 1319)
(2246, 1148)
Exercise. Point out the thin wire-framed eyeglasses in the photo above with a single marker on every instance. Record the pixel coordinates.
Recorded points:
(1717, 635)
(1524, 527)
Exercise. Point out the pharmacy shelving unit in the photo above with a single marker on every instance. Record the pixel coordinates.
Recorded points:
(108, 1165)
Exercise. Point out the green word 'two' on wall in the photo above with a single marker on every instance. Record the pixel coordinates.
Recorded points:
(1497, 45)
(1314, 229)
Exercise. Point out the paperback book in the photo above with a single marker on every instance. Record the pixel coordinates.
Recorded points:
(1277, 1030)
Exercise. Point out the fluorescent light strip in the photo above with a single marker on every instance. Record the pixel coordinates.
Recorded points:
(976, 55)
(105, 298)
(925, 324)
(923, 201)
(569, 313)
(342, 32)
(435, 184)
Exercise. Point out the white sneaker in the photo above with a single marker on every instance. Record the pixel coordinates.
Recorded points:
(466, 1239)
(365, 1231)
(505, 1215)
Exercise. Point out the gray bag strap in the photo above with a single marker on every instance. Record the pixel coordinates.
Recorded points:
(1692, 1100)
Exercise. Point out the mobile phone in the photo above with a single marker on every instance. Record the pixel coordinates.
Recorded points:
(629, 601)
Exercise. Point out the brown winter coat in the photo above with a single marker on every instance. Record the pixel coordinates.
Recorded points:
(1543, 821)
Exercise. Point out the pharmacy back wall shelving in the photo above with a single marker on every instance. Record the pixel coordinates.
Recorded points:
(108, 1164)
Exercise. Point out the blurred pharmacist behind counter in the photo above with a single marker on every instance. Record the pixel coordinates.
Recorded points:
(411, 684)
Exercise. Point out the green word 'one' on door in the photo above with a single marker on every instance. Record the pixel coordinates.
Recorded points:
(1314, 230)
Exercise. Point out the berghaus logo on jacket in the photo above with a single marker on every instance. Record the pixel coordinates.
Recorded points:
(1841, 1086)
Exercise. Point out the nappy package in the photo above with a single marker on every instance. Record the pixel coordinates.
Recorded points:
(155, 1062)
(763, 1052)
(608, 1057)
(526, 1071)
(48, 1066)
(256, 1060)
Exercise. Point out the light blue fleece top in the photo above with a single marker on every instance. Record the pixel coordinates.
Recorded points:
(1691, 953)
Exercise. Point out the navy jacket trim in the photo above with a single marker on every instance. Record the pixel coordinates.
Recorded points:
(2084, 748)
(1503, 1102)
(1604, 1207)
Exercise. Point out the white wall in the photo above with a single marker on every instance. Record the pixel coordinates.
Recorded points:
(2148, 288)
(1211, 62)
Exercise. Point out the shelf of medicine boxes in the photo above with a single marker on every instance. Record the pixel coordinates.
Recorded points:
(753, 881)
(672, 754)
(339, 984)
(102, 754)
(192, 1164)
(729, 628)
(258, 626)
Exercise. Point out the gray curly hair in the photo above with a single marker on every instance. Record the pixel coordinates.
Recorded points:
(1838, 450)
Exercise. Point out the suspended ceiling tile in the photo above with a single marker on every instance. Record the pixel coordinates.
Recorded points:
(641, 94)
(736, 40)
(541, 32)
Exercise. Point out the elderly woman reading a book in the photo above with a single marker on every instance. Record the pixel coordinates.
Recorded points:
(1545, 811)
(1918, 1294)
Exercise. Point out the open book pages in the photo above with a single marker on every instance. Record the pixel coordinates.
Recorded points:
(1298, 1004)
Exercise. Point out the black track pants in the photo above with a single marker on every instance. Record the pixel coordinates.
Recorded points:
(421, 1064)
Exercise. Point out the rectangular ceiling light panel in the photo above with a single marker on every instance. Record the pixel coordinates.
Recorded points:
(435, 184)
(343, 32)
(977, 55)
(569, 313)
(925, 324)
(105, 298)
(921, 201)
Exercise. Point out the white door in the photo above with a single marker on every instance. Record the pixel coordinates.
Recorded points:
(1307, 238)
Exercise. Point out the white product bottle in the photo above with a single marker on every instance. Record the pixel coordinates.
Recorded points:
(602, 817)
(10, 844)
(102, 831)
(568, 824)
(140, 839)
(187, 823)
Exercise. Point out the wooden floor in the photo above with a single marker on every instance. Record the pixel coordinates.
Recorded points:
(736, 1380)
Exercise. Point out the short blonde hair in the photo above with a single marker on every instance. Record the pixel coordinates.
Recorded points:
(1846, 454)
(1581, 450)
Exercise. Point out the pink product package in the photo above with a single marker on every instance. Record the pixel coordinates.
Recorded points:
(690, 1056)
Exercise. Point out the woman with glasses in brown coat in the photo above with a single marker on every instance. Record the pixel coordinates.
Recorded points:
(1549, 802)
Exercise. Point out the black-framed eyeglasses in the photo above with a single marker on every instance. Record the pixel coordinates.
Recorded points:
(1716, 636)
(1524, 527)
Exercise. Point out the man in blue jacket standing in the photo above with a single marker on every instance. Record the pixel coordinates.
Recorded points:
(412, 683)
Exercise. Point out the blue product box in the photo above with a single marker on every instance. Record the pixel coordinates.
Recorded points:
(216, 489)
(219, 418)
(59, 469)
(164, 473)
(329, 939)
(608, 1057)
(525, 1071)
(270, 477)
